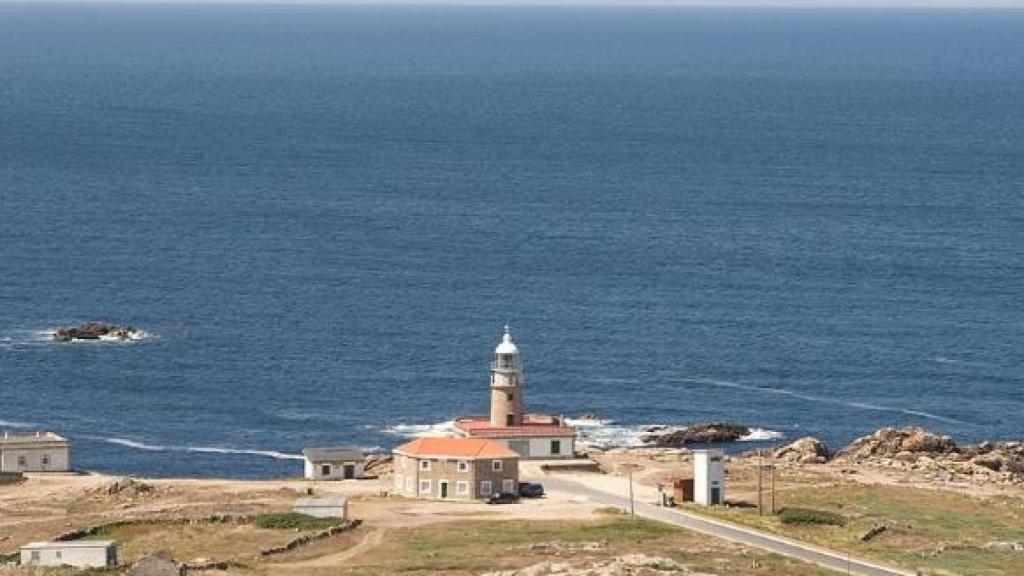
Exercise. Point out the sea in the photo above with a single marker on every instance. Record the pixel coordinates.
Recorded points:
(810, 222)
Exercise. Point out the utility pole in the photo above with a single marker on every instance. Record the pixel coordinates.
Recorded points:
(630, 468)
(760, 509)
(772, 465)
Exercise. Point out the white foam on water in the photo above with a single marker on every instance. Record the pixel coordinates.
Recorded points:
(135, 444)
(810, 398)
(202, 449)
(762, 435)
(13, 424)
(438, 430)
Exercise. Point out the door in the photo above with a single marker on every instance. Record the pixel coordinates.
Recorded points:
(444, 489)
(716, 495)
(349, 471)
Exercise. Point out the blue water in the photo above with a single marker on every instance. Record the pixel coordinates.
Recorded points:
(806, 221)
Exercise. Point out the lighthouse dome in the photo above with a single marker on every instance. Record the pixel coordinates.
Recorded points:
(507, 346)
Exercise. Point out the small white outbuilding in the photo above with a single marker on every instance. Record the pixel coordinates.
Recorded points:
(328, 506)
(79, 553)
(708, 477)
(34, 452)
(334, 463)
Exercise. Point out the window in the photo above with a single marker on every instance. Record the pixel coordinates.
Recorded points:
(463, 466)
(424, 486)
(35, 555)
(511, 397)
(510, 419)
(462, 488)
(556, 447)
(508, 486)
(46, 459)
(325, 470)
(424, 464)
(22, 461)
(485, 487)
(58, 554)
(496, 465)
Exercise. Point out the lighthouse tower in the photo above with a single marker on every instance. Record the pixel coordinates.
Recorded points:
(506, 384)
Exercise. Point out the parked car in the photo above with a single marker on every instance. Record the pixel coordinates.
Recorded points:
(531, 490)
(503, 498)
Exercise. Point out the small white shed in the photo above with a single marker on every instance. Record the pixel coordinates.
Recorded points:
(708, 477)
(328, 506)
(334, 463)
(80, 553)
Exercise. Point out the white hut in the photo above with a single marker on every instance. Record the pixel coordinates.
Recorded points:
(334, 463)
(708, 477)
(34, 452)
(79, 553)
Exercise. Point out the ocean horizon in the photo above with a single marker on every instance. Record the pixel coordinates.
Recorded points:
(809, 222)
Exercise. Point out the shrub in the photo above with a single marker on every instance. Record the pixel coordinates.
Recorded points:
(809, 516)
(296, 521)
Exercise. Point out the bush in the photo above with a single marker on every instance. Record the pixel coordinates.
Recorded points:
(808, 516)
(296, 521)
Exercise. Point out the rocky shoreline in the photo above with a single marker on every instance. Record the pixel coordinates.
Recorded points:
(933, 458)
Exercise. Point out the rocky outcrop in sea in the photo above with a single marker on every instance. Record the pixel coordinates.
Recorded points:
(710, 433)
(94, 331)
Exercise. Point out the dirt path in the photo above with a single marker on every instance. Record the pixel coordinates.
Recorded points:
(371, 540)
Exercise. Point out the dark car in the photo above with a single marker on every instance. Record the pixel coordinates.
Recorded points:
(503, 498)
(531, 490)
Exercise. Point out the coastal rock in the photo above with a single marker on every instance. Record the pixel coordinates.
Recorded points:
(713, 432)
(126, 486)
(156, 564)
(806, 450)
(94, 331)
(890, 443)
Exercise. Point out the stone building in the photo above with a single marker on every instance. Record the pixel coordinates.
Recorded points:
(455, 469)
(534, 436)
(34, 452)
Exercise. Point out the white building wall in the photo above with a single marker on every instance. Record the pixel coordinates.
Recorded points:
(540, 447)
(708, 473)
(314, 470)
(81, 556)
(36, 459)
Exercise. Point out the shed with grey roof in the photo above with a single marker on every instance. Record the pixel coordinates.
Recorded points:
(327, 506)
(334, 463)
(80, 553)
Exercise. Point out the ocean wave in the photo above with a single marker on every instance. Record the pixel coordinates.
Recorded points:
(762, 435)
(13, 424)
(811, 398)
(438, 430)
(201, 449)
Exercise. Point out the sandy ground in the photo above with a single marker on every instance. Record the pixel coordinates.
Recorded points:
(46, 505)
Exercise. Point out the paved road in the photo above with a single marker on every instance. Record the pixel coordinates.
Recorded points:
(835, 560)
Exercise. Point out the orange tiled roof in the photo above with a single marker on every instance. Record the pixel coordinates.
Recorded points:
(471, 448)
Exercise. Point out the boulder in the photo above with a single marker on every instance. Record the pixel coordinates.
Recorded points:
(806, 450)
(890, 443)
(710, 433)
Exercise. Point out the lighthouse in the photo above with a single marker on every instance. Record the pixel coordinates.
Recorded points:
(534, 436)
(506, 384)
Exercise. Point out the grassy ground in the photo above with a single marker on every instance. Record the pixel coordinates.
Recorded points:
(464, 548)
(937, 531)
